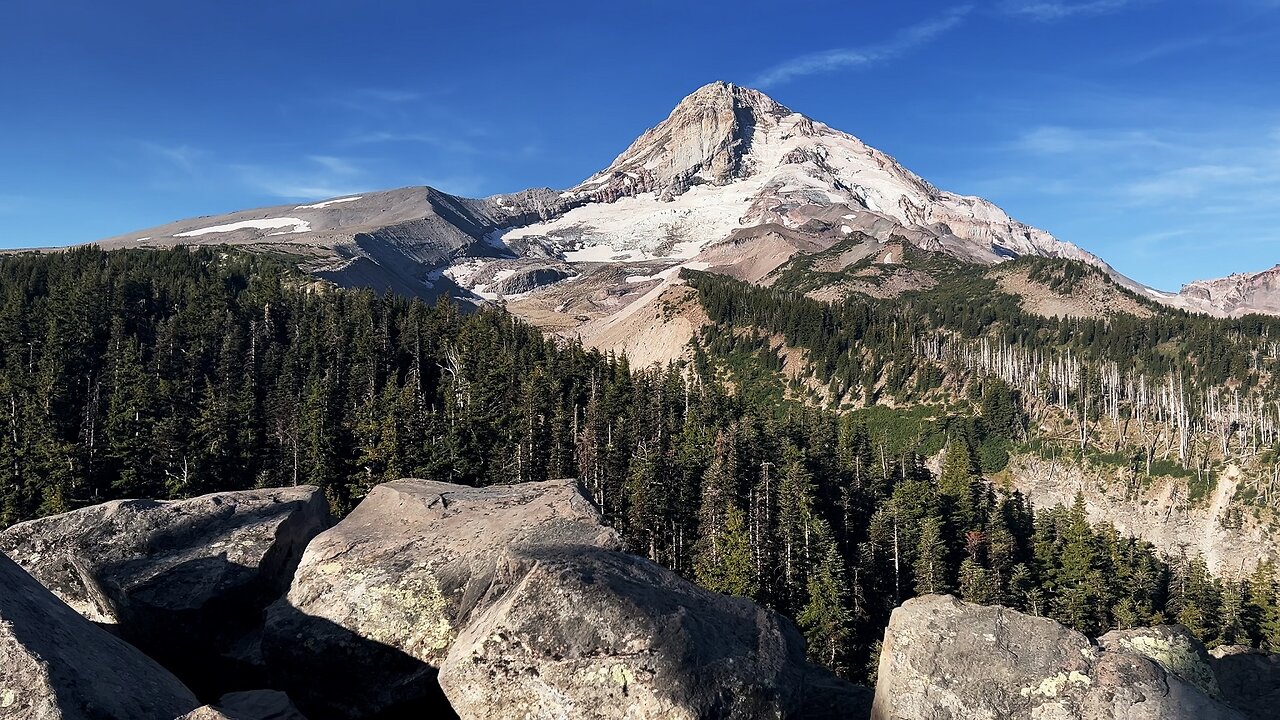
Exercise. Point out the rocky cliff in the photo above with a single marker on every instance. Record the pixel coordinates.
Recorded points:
(1231, 538)
(1238, 294)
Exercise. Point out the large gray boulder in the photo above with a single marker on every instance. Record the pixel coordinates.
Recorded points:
(249, 705)
(1249, 680)
(1173, 647)
(942, 658)
(378, 600)
(56, 665)
(596, 634)
(186, 581)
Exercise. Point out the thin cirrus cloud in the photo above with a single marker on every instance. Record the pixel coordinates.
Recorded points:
(831, 60)
(441, 142)
(183, 157)
(1051, 11)
(317, 177)
(1152, 166)
(1059, 140)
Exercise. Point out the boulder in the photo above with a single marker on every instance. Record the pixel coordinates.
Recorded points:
(56, 665)
(528, 279)
(250, 705)
(1249, 679)
(378, 599)
(592, 633)
(186, 580)
(1173, 647)
(942, 658)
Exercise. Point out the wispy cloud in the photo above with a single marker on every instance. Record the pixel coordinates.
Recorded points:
(317, 177)
(335, 165)
(1237, 168)
(184, 157)
(373, 99)
(443, 142)
(393, 96)
(841, 58)
(1196, 181)
(1058, 140)
(1049, 10)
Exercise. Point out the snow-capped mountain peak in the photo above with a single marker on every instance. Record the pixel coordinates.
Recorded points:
(730, 181)
(729, 158)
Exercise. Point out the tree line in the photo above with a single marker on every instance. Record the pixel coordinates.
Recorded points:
(172, 373)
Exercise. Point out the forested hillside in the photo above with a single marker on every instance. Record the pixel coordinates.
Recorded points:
(1170, 388)
(178, 372)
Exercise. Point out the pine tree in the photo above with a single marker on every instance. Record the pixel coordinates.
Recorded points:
(930, 566)
(825, 618)
(732, 572)
(796, 546)
(722, 553)
(1262, 609)
(975, 583)
(960, 486)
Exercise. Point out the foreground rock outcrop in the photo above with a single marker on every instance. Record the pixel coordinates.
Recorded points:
(251, 705)
(378, 600)
(55, 665)
(1249, 680)
(185, 581)
(439, 600)
(942, 658)
(597, 634)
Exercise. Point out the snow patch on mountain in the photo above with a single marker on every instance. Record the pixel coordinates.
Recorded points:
(298, 226)
(327, 203)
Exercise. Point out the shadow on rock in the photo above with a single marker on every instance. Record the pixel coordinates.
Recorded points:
(321, 682)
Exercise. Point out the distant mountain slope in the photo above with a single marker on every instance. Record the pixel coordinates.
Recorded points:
(1238, 294)
(730, 181)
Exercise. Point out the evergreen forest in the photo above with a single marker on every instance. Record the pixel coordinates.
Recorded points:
(173, 373)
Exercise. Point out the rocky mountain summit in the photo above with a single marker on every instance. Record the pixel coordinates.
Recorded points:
(439, 600)
(1238, 294)
(731, 182)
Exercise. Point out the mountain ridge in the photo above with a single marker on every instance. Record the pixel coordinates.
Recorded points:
(728, 165)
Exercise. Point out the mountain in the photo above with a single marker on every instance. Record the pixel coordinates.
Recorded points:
(1238, 294)
(731, 181)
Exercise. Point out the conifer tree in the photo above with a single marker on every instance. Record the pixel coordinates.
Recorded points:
(930, 566)
(825, 618)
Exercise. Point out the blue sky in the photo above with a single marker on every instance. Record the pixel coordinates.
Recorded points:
(1147, 131)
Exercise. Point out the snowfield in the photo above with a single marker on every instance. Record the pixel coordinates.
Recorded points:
(327, 203)
(263, 224)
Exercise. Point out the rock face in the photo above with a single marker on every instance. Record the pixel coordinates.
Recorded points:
(528, 280)
(251, 705)
(519, 602)
(1232, 539)
(185, 581)
(1249, 679)
(942, 658)
(55, 665)
(377, 601)
(1173, 647)
(598, 634)
(1238, 294)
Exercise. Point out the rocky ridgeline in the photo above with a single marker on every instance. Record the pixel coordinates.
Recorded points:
(434, 600)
